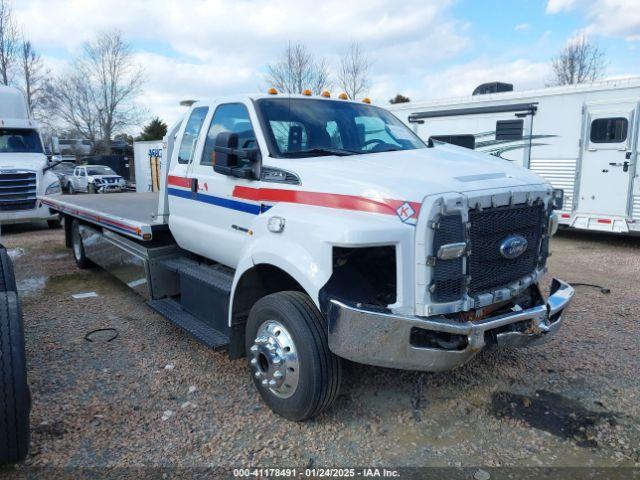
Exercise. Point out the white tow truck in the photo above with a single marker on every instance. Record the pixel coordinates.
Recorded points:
(298, 230)
(24, 168)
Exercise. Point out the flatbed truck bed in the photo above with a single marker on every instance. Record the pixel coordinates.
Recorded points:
(132, 214)
(122, 234)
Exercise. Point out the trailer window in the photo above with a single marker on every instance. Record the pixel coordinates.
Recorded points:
(463, 140)
(609, 130)
(19, 140)
(509, 129)
(230, 117)
(191, 132)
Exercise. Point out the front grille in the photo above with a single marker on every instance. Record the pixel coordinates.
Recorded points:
(489, 270)
(17, 191)
(448, 276)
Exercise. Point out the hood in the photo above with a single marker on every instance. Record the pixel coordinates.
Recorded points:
(408, 174)
(22, 161)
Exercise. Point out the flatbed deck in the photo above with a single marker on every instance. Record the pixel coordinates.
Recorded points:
(131, 214)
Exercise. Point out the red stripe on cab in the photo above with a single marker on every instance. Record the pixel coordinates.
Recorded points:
(179, 181)
(329, 200)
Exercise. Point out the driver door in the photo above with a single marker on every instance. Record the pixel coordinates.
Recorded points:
(217, 213)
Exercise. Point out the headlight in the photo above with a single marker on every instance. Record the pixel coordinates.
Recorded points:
(53, 188)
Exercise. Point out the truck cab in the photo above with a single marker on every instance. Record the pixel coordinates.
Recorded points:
(24, 173)
(298, 231)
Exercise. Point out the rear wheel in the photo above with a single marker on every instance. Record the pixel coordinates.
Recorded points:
(289, 358)
(78, 248)
(15, 401)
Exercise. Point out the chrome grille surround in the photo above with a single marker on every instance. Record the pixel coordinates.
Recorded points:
(437, 207)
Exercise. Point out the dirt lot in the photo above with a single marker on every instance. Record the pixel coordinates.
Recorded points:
(153, 396)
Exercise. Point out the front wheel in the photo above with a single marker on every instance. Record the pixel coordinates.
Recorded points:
(91, 188)
(289, 358)
(72, 191)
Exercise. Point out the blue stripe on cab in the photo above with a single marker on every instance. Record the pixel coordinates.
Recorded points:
(217, 201)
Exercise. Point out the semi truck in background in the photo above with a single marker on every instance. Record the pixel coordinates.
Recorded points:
(25, 174)
(581, 138)
(296, 231)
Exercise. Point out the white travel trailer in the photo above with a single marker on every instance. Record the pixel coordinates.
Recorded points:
(583, 139)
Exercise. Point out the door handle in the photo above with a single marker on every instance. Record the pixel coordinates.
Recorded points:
(194, 187)
(625, 166)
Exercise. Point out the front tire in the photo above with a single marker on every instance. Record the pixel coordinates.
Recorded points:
(78, 248)
(289, 358)
(91, 188)
(72, 191)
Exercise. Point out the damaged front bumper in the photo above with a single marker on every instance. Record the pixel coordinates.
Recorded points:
(387, 340)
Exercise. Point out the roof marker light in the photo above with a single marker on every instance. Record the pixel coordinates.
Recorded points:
(326, 94)
(343, 96)
(307, 92)
(272, 91)
(366, 100)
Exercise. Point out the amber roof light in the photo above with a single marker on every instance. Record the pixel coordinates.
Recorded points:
(272, 91)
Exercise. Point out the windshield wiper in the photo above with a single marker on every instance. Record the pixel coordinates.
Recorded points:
(319, 151)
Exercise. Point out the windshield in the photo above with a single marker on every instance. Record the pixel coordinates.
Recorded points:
(301, 127)
(19, 140)
(100, 171)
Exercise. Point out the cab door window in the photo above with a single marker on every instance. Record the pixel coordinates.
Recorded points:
(229, 117)
(191, 132)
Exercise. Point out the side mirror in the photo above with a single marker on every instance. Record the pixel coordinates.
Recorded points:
(228, 156)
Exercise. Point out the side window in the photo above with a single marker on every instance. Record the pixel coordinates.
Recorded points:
(609, 130)
(191, 132)
(230, 117)
(509, 129)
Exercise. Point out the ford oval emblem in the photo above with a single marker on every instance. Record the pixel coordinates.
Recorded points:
(513, 246)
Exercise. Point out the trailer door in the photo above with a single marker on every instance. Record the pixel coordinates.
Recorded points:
(606, 165)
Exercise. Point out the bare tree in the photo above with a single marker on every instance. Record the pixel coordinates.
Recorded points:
(297, 70)
(9, 41)
(34, 78)
(97, 96)
(399, 98)
(579, 61)
(353, 73)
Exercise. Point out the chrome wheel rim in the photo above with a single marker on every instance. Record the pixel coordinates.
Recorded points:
(274, 359)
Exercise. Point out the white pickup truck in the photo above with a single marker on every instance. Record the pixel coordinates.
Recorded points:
(298, 230)
(24, 168)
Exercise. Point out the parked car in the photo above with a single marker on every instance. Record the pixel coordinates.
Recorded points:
(95, 179)
(64, 172)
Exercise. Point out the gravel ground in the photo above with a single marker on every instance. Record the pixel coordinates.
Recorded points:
(154, 397)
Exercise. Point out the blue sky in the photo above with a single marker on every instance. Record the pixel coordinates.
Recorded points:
(422, 48)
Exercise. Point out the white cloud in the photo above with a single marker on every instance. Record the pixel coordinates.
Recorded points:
(615, 18)
(206, 48)
(522, 27)
(461, 80)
